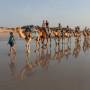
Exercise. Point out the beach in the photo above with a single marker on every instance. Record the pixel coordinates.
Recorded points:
(46, 69)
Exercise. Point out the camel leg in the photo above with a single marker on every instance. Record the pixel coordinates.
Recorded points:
(37, 45)
(27, 47)
(55, 40)
(42, 41)
(58, 41)
(47, 42)
(50, 42)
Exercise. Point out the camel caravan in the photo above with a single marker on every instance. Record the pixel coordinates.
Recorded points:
(45, 34)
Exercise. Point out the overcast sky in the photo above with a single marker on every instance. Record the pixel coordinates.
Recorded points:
(23, 12)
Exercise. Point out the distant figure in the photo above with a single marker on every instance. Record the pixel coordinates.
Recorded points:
(43, 24)
(48, 31)
(59, 26)
(11, 42)
(47, 24)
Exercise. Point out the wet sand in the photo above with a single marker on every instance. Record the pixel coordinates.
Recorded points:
(64, 70)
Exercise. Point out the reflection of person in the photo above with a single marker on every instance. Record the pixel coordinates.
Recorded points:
(13, 69)
(12, 65)
(11, 42)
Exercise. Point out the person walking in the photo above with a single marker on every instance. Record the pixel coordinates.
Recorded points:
(11, 43)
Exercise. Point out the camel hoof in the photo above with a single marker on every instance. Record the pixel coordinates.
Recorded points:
(9, 54)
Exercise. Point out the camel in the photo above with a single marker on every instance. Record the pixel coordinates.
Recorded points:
(77, 32)
(26, 35)
(42, 35)
(65, 33)
(86, 32)
(68, 32)
(57, 36)
(62, 33)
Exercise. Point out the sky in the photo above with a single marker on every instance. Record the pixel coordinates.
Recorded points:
(26, 12)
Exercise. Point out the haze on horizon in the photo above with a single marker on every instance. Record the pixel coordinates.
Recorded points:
(25, 12)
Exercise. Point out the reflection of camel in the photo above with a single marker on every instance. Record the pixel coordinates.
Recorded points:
(77, 48)
(58, 55)
(27, 69)
(26, 35)
(66, 33)
(61, 52)
(30, 67)
(86, 44)
(67, 51)
(44, 58)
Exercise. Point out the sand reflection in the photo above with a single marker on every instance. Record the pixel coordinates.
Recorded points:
(45, 56)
